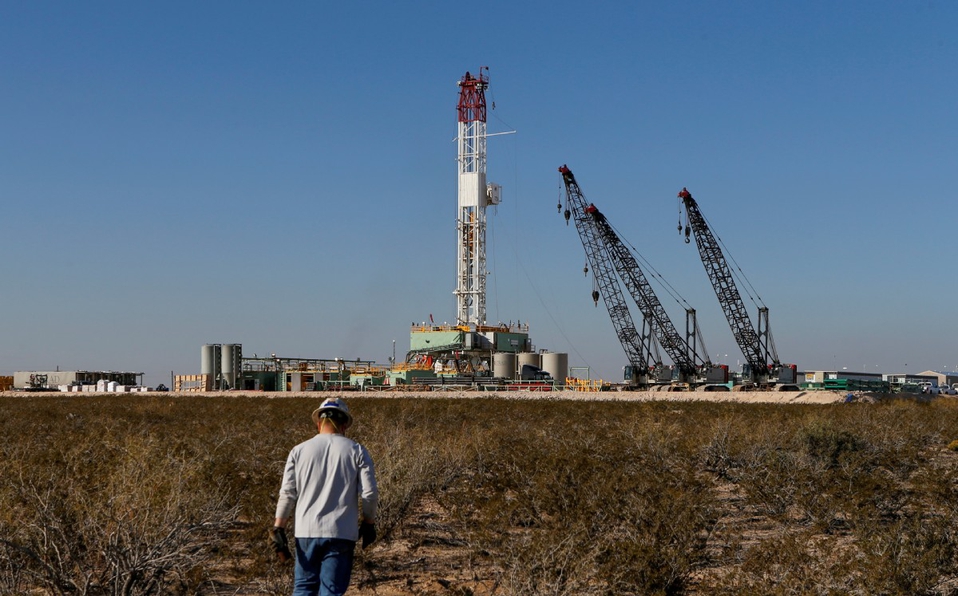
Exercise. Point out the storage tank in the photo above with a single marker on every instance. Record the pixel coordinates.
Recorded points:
(230, 364)
(530, 358)
(209, 360)
(226, 360)
(557, 365)
(504, 365)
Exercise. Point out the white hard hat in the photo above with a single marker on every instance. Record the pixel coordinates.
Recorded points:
(333, 404)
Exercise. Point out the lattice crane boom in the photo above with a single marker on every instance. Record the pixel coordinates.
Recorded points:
(756, 346)
(677, 347)
(637, 345)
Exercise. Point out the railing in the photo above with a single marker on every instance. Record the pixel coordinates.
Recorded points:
(501, 327)
(584, 385)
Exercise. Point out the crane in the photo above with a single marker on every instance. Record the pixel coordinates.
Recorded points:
(762, 365)
(690, 368)
(637, 344)
(680, 349)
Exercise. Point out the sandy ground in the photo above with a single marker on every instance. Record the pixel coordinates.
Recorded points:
(783, 397)
(765, 397)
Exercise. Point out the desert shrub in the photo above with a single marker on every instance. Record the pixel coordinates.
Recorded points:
(109, 513)
(769, 478)
(564, 509)
(723, 450)
(542, 497)
(907, 556)
(828, 444)
(411, 459)
(789, 563)
(662, 521)
(827, 467)
(900, 434)
(769, 469)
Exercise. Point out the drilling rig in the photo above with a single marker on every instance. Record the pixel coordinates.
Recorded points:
(474, 196)
(471, 349)
(762, 369)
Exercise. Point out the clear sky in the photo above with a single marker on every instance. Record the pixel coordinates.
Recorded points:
(282, 174)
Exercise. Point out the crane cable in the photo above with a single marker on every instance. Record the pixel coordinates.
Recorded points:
(750, 290)
(669, 288)
(736, 271)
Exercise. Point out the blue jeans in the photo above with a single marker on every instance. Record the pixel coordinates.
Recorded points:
(323, 566)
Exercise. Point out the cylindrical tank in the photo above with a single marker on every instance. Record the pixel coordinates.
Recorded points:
(226, 359)
(207, 354)
(504, 365)
(530, 358)
(208, 359)
(557, 365)
(229, 364)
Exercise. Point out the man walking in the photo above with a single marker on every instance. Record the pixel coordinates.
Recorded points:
(324, 480)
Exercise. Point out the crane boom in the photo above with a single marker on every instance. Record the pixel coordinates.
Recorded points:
(677, 347)
(637, 346)
(756, 346)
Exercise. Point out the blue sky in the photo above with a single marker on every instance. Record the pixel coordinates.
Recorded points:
(282, 175)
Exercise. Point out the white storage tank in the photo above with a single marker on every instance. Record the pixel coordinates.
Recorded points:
(557, 365)
(230, 363)
(226, 359)
(504, 365)
(209, 359)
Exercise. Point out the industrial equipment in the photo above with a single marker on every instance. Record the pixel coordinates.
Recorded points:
(637, 345)
(762, 369)
(474, 196)
(471, 350)
(690, 368)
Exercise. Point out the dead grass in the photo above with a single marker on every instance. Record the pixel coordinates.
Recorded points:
(174, 495)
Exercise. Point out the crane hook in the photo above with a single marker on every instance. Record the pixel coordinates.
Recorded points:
(688, 231)
(567, 214)
(559, 207)
(585, 270)
(595, 297)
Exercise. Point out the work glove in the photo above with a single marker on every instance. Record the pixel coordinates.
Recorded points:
(367, 533)
(281, 544)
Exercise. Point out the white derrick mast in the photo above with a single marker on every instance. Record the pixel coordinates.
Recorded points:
(474, 196)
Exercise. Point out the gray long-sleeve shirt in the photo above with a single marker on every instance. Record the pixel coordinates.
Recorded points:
(325, 478)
